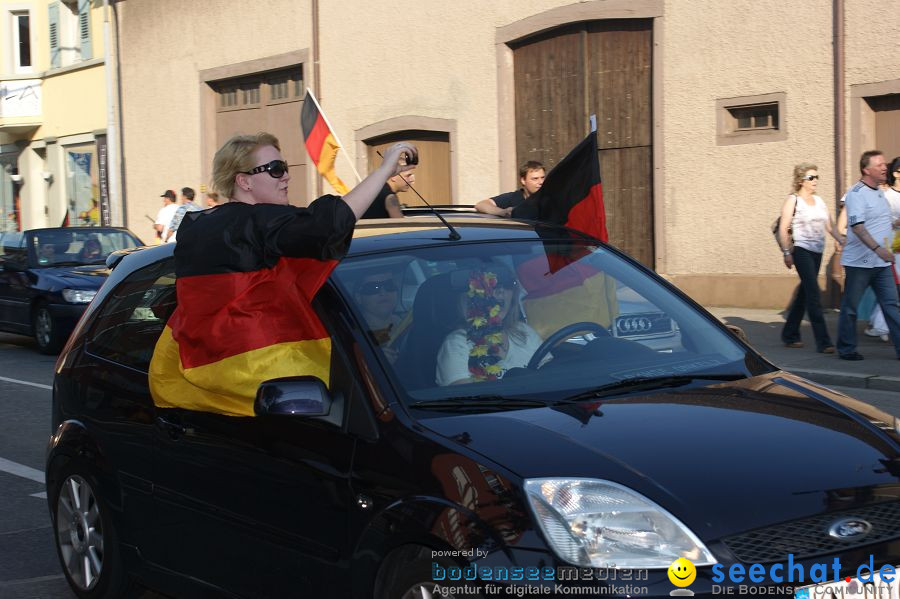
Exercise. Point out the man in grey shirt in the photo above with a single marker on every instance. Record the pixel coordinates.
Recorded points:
(866, 260)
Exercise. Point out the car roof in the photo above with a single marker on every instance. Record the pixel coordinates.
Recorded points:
(73, 229)
(387, 234)
(384, 234)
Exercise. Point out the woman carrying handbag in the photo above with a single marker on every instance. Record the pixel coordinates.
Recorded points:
(808, 217)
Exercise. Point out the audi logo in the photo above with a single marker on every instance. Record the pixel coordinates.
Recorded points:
(634, 324)
(849, 529)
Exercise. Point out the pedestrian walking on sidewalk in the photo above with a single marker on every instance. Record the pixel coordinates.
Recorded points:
(809, 219)
(878, 326)
(866, 260)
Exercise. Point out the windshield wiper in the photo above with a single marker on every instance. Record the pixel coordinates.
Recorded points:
(478, 402)
(643, 383)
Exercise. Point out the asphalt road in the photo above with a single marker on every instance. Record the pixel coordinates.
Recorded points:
(28, 564)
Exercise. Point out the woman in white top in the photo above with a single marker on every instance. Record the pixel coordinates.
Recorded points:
(516, 344)
(878, 327)
(810, 219)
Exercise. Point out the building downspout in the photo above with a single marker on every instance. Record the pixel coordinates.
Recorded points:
(317, 87)
(836, 274)
(116, 211)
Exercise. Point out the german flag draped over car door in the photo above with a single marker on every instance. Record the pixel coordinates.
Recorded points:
(320, 142)
(246, 276)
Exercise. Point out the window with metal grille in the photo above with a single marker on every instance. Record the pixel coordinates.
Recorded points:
(285, 85)
(238, 93)
(751, 119)
(760, 116)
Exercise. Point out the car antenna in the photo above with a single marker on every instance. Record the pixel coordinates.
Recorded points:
(454, 235)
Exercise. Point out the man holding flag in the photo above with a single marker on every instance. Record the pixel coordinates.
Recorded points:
(247, 271)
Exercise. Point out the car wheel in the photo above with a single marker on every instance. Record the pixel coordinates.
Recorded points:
(46, 331)
(86, 540)
(407, 574)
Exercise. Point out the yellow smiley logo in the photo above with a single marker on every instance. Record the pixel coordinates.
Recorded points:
(682, 572)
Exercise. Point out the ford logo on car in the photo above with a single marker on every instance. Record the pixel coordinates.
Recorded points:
(849, 529)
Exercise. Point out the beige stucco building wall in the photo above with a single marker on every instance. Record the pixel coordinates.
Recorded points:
(713, 203)
(71, 114)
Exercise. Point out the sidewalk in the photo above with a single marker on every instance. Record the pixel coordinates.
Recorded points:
(880, 370)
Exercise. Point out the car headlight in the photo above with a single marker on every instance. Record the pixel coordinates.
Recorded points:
(601, 524)
(78, 296)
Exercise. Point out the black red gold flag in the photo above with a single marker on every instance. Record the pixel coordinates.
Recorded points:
(572, 194)
(242, 319)
(320, 141)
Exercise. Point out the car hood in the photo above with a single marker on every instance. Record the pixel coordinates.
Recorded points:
(724, 458)
(88, 276)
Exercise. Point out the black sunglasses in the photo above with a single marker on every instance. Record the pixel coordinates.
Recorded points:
(376, 287)
(276, 169)
(810, 177)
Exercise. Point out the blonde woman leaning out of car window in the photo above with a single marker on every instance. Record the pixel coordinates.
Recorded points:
(809, 218)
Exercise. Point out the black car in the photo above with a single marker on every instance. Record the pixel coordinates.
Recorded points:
(591, 466)
(48, 277)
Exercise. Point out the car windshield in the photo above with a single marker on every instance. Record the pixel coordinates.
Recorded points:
(530, 320)
(59, 247)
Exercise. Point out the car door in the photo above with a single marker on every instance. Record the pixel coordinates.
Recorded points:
(257, 505)
(110, 380)
(14, 284)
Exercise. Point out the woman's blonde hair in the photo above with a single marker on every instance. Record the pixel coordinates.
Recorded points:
(800, 172)
(236, 156)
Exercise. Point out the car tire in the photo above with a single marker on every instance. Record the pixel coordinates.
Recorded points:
(85, 538)
(406, 574)
(46, 330)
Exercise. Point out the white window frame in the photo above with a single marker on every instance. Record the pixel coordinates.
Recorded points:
(12, 23)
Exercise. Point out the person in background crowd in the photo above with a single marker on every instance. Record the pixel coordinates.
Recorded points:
(386, 204)
(877, 325)
(808, 216)
(187, 205)
(531, 178)
(865, 259)
(165, 214)
(212, 199)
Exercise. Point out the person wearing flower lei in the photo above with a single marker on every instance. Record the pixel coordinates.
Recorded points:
(494, 338)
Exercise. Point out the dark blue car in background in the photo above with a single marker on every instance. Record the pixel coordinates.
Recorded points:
(49, 276)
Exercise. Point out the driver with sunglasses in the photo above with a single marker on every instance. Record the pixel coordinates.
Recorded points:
(247, 271)
(377, 296)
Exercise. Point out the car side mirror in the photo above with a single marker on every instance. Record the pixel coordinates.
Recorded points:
(296, 395)
(737, 332)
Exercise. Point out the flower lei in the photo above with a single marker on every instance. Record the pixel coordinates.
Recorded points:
(484, 326)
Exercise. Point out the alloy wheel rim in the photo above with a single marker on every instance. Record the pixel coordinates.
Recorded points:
(79, 532)
(42, 327)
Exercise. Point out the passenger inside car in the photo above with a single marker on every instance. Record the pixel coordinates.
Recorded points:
(91, 250)
(494, 338)
(376, 294)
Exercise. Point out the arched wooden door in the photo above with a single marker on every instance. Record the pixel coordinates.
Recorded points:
(600, 67)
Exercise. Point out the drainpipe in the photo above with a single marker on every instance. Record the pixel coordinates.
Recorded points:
(317, 86)
(839, 106)
(112, 146)
(835, 281)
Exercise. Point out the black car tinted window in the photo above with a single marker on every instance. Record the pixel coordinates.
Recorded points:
(133, 316)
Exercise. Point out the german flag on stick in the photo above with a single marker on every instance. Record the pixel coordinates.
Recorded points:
(321, 143)
(572, 194)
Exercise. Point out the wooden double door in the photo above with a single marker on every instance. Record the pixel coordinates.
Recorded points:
(564, 75)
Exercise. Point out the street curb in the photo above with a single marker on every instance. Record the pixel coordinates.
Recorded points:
(848, 379)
